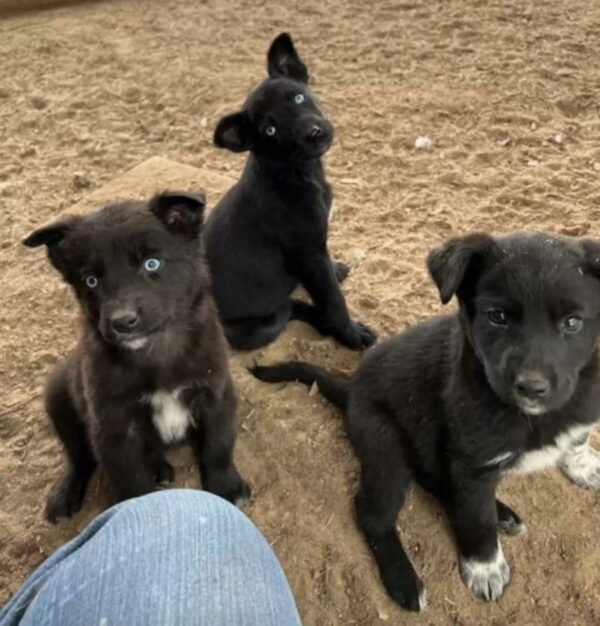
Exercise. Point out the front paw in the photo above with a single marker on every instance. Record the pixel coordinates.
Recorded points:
(582, 466)
(164, 473)
(358, 337)
(486, 579)
(66, 498)
(230, 487)
(341, 271)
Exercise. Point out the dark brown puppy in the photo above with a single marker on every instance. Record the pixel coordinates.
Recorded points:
(150, 369)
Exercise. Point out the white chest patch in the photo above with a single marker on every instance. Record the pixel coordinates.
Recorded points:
(549, 456)
(169, 415)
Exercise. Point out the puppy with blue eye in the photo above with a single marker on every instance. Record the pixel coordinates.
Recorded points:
(150, 369)
(508, 384)
(268, 234)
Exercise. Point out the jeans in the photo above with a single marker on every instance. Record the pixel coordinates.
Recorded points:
(176, 557)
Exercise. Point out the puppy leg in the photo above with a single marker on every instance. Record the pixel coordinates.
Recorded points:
(509, 522)
(342, 270)
(68, 492)
(581, 464)
(474, 515)
(253, 333)
(214, 442)
(122, 448)
(317, 275)
(164, 472)
(384, 481)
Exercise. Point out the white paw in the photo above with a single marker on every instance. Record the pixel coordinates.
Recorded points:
(486, 579)
(581, 464)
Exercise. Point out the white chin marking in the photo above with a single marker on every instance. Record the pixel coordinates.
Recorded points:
(486, 579)
(581, 464)
(532, 409)
(136, 344)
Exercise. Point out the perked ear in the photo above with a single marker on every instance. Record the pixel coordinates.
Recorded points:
(456, 265)
(233, 132)
(283, 60)
(179, 211)
(591, 256)
(52, 236)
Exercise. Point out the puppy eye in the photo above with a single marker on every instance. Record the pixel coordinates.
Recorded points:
(270, 130)
(572, 324)
(299, 98)
(91, 282)
(497, 317)
(152, 264)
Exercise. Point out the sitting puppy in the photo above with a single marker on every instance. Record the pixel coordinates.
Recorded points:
(151, 366)
(508, 384)
(268, 234)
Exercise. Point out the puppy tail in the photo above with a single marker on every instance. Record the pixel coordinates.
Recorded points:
(334, 388)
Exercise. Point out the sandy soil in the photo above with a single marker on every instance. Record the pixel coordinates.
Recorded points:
(508, 94)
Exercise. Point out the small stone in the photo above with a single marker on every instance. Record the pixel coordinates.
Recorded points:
(597, 166)
(533, 163)
(203, 122)
(423, 143)
(81, 182)
(558, 139)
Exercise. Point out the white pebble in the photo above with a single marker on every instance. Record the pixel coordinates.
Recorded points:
(422, 143)
(559, 139)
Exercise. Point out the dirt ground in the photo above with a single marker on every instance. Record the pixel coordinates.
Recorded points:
(508, 94)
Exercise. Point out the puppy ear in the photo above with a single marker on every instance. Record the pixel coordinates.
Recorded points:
(52, 236)
(283, 60)
(591, 256)
(233, 132)
(456, 265)
(179, 211)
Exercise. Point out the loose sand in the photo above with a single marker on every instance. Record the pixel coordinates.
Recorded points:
(508, 94)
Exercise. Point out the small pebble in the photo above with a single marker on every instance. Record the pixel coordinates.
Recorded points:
(81, 182)
(422, 143)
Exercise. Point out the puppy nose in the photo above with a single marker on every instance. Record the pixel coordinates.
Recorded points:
(124, 321)
(316, 132)
(532, 385)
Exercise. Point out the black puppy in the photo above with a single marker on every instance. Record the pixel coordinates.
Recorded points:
(269, 232)
(151, 366)
(508, 384)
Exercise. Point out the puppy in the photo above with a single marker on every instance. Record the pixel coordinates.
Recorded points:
(508, 384)
(268, 234)
(150, 368)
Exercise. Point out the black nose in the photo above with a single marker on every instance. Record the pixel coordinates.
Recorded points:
(532, 385)
(316, 132)
(124, 321)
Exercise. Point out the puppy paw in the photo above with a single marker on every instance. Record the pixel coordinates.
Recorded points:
(341, 271)
(233, 489)
(486, 579)
(582, 466)
(65, 499)
(164, 473)
(509, 523)
(412, 598)
(359, 337)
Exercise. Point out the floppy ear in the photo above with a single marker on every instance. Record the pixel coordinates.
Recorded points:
(52, 237)
(233, 132)
(180, 211)
(283, 60)
(456, 265)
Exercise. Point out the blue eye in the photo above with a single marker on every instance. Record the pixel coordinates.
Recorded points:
(270, 130)
(91, 281)
(152, 264)
(299, 98)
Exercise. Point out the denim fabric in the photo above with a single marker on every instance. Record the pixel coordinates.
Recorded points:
(175, 557)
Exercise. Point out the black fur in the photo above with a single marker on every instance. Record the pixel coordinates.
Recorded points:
(268, 234)
(149, 325)
(457, 401)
